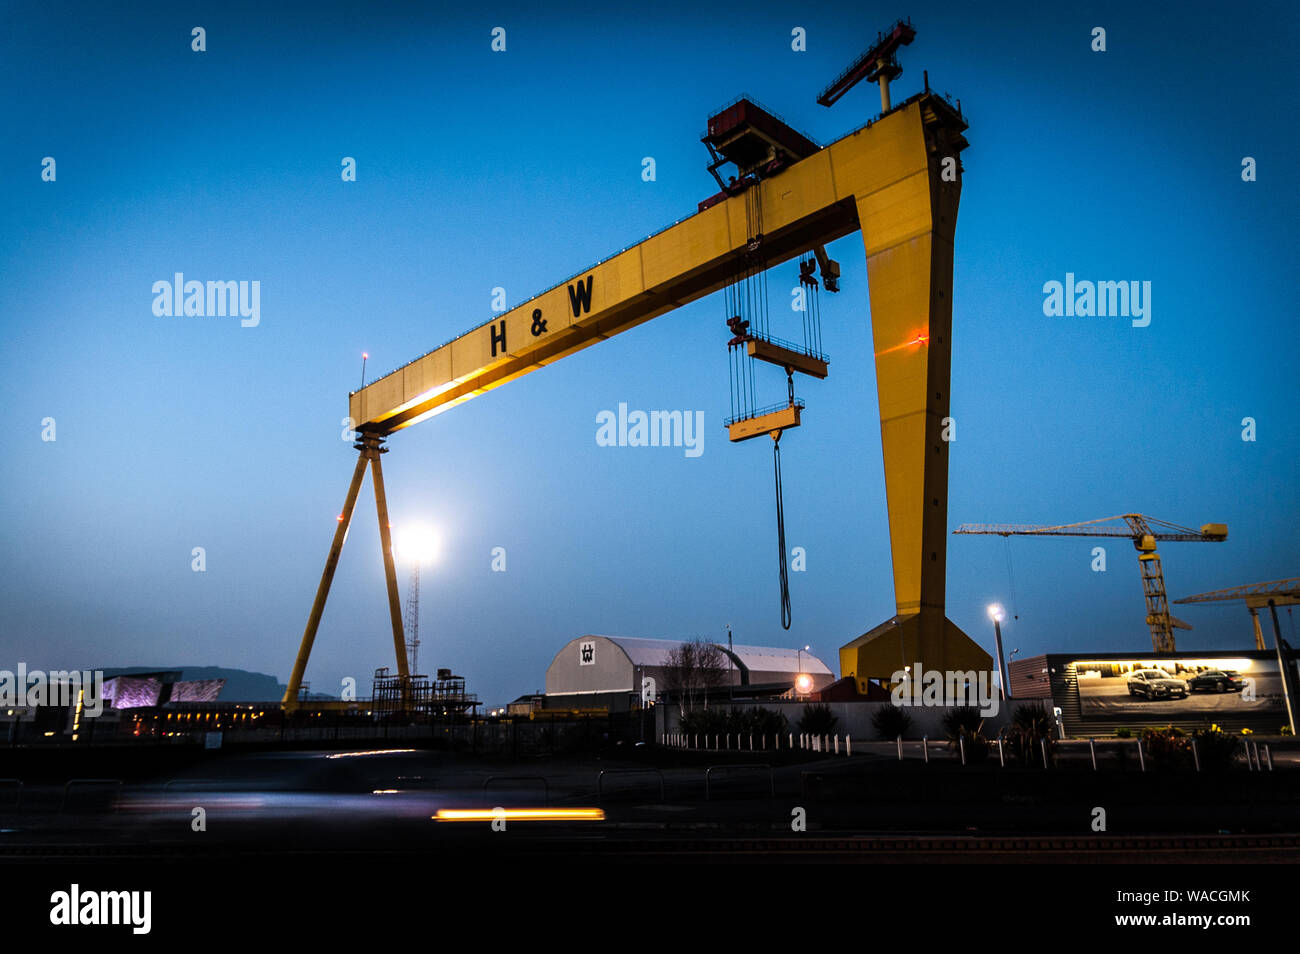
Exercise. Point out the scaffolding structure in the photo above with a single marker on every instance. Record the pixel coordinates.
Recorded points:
(418, 697)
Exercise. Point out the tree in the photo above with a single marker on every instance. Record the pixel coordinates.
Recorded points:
(694, 667)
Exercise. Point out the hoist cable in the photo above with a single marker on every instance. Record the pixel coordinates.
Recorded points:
(817, 319)
(1011, 580)
(780, 533)
(805, 315)
(731, 379)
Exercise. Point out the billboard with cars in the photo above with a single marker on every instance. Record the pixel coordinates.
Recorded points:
(1178, 688)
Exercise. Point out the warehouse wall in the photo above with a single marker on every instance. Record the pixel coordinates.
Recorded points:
(610, 669)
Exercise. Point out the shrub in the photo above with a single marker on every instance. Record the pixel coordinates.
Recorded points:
(1168, 747)
(1123, 733)
(890, 721)
(720, 721)
(964, 723)
(704, 722)
(1030, 726)
(1215, 748)
(818, 719)
(766, 721)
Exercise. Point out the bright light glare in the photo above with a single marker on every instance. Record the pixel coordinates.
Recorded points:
(416, 544)
(353, 755)
(997, 612)
(519, 814)
(803, 682)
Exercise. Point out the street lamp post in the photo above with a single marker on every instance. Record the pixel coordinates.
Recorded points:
(998, 614)
(731, 679)
(1284, 668)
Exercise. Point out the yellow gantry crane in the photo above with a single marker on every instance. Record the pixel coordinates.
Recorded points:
(1145, 532)
(896, 180)
(1255, 596)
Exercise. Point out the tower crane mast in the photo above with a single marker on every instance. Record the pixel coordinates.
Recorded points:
(1145, 532)
(413, 620)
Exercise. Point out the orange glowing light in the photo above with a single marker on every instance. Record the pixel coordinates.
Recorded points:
(920, 339)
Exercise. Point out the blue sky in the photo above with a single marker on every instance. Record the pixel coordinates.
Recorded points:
(479, 169)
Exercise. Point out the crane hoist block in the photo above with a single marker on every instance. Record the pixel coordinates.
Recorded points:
(765, 422)
(790, 358)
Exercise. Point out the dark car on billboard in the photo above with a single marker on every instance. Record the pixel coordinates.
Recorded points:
(1217, 680)
(1156, 684)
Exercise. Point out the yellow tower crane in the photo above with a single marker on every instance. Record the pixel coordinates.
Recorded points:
(1145, 532)
(1255, 596)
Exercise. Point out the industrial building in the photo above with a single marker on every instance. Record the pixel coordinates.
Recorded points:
(608, 671)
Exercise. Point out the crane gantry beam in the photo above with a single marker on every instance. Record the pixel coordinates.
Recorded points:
(897, 181)
(882, 179)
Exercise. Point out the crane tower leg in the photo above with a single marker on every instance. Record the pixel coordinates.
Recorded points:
(908, 228)
(290, 701)
(390, 571)
(1259, 633)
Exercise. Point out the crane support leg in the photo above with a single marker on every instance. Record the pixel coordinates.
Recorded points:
(390, 571)
(369, 452)
(908, 228)
(290, 701)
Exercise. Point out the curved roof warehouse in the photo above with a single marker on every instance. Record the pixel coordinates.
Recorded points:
(613, 667)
